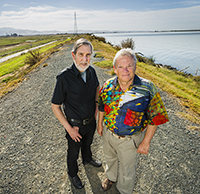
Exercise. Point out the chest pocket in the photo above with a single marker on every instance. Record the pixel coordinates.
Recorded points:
(133, 118)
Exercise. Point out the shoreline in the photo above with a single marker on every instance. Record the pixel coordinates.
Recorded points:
(146, 31)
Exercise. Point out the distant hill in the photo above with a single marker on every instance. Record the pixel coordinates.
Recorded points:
(8, 31)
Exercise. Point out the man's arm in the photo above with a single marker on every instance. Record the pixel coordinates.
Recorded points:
(96, 100)
(144, 146)
(73, 131)
(100, 123)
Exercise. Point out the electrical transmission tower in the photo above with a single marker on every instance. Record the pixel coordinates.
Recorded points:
(75, 25)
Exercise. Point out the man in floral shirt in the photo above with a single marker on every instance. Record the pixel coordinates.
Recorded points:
(131, 108)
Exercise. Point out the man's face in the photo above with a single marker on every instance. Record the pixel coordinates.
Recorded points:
(125, 69)
(82, 57)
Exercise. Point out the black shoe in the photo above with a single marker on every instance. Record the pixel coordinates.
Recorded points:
(76, 182)
(93, 162)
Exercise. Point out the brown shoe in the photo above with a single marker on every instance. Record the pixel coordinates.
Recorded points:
(106, 184)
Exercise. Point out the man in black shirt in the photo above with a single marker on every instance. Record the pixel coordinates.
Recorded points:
(77, 90)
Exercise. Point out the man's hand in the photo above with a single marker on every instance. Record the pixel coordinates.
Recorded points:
(100, 130)
(143, 148)
(74, 133)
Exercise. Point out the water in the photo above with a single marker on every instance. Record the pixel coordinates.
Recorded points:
(178, 49)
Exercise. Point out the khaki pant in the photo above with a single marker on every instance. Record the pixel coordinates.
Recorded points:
(121, 159)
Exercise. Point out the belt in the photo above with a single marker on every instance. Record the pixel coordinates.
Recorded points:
(77, 121)
(123, 137)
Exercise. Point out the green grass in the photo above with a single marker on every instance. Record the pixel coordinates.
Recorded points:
(104, 64)
(16, 63)
(18, 44)
(11, 65)
(9, 41)
(99, 55)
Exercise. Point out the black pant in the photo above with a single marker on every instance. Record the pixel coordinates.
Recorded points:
(87, 133)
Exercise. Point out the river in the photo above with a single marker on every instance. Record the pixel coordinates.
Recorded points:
(177, 49)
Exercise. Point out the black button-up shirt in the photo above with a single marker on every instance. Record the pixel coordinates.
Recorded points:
(77, 97)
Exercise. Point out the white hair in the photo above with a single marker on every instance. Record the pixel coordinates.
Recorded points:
(125, 52)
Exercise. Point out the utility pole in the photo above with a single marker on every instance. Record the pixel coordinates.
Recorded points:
(75, 25)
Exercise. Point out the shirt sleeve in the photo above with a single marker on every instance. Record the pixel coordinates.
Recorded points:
(59, 94)
(100, 101)
(96, 78)
(156, 112)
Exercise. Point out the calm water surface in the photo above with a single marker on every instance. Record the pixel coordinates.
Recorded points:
(178, 49)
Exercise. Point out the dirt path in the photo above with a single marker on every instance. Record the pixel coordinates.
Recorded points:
(33, 145)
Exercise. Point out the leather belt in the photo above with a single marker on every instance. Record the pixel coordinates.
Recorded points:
(83, 122)
(123, 137)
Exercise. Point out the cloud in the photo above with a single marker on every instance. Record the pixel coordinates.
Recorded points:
(9, 5)
(182, 18)
(52, 18)
(189, 3)
(36, 18)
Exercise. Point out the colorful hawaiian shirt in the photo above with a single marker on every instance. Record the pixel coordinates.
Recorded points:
(129, 112)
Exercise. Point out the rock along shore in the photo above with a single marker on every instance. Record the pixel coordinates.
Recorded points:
(34, 148)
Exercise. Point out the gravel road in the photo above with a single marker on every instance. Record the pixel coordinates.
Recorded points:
(33, 147)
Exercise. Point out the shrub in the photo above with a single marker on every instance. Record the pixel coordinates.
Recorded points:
(197, 78)
(117, 47)
(102, 39)
(128, 43)
(151, 59)
(140, 57)
(33, 57)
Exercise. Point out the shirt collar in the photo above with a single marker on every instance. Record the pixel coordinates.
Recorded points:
(77, 73)
(136, 81)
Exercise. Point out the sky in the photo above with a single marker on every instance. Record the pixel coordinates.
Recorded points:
(111, 15)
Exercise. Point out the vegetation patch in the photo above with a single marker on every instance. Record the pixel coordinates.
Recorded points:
(12, 44)
(128, 43)
(104, 64)
(98, 55)
(33, 57)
